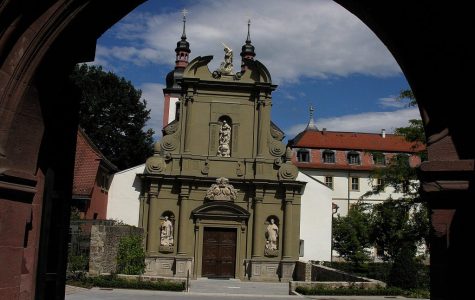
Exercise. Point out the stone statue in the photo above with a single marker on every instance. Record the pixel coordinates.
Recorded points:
(226, 67)
(272, 233)
(221, 190)
(224, 149)
(166, 233)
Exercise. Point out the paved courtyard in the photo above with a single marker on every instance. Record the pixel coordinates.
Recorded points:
(209, 289)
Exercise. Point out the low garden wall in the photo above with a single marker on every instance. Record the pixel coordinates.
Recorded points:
(104, 245)
(312, 275)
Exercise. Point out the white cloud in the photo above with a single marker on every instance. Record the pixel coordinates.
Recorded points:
(153, 93)
(292, 38)
(364, 122)
(137, 56)
(391, 102)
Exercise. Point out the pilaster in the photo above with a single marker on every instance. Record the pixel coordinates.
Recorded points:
(153, 230)
(288, 240)
(258, 237)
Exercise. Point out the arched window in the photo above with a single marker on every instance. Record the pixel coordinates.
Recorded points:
(379, 158)
(354, 158)
(303, 155)
(328, 156)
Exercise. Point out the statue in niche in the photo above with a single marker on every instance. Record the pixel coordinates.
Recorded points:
(272, 235)
(166, 233)
(224, 149)
(226, 67)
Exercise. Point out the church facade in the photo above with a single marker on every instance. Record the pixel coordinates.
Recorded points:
(220, 196)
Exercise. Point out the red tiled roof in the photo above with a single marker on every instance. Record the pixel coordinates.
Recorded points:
(86, 165)
(354, 141)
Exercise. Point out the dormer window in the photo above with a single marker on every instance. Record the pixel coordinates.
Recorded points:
(328, 156)
(354, 158)
(379, 159)
(303, 155)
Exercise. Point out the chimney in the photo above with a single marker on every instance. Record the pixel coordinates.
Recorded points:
(324, 130)
(383, 133)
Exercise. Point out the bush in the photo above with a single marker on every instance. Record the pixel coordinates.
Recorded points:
(77, 266)
(131, 256)
(112, 281)
(389, 291)
(350, 291)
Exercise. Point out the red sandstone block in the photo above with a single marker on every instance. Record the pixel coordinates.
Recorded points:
(9, 293)
(27, 286)
(13, 217)
(10, 262)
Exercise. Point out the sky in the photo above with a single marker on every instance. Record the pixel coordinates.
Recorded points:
(317, 52)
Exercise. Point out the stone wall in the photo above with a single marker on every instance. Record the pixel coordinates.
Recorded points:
(318, 276)
(104, 245)
(322, 273)
(303, 271)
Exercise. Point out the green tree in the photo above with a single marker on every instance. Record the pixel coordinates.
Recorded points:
(390, 227)
(113, 115)
(351, 234)
(131, 256)
(405, 269)
(404, 221)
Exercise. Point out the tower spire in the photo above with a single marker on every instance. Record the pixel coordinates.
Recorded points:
(247, 50)
(182, 47)
(184, 12)
(248, 40)
(311, 123)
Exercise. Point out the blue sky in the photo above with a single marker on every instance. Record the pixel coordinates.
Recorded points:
(317, 53)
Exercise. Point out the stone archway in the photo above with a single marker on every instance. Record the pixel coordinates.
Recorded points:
(41, 40)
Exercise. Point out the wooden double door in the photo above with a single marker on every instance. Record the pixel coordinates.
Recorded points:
(219, 252)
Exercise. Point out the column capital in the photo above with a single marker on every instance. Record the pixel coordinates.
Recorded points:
(184, 191)
(258, 199)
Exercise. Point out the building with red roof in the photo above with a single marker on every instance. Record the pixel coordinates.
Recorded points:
(92, 171)
(345, 160)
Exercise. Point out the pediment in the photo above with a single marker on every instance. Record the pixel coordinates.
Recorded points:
(220, 210)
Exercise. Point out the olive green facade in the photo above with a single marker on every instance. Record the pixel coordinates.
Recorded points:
(206, 181)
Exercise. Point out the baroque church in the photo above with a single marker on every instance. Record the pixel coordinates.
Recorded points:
(220, 196)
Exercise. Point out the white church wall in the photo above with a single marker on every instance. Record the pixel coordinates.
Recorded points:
(123, 200)
(316, 219)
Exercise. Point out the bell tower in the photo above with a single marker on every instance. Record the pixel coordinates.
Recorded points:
(172, 91)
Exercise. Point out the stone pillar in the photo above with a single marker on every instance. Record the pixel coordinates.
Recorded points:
(258, 230)
(188, 100)
(447, 187)
(153, 229)
(288, 240)
(182, 225)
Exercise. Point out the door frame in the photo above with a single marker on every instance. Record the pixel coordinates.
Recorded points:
(222, 229)
(241, 231)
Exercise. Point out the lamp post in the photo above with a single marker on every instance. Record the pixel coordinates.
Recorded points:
(335, 208)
